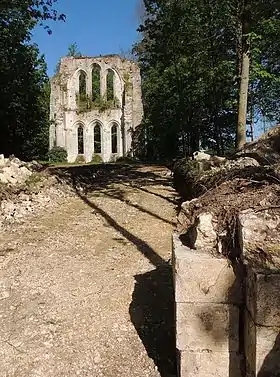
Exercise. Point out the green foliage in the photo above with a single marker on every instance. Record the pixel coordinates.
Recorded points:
(85, 103)
(96, 83)
(190, 63)
(127, 83)
(126, 160)
(34, 181)
(96, 159)
(24, 85)
(110, 85)
(57, 154)
(185, 173)
(80, 159)
(73, 51)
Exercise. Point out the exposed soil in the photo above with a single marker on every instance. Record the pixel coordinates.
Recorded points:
(86, 288)
(225, 193)
(237, 195)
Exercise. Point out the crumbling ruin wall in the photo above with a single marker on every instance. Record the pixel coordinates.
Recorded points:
(66, 115)
(228, 312)
(226, 268)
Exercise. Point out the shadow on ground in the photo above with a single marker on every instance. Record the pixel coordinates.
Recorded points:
(152, 307)
(152, 313)
(94, 177)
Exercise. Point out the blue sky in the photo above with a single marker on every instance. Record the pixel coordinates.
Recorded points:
(97, 26)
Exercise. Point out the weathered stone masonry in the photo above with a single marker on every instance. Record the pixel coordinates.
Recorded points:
(228, 314)
(101, 126)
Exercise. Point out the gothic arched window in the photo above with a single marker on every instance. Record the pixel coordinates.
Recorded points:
(114, 138)
(95, 82)
(110, 85)
(82, 85)
(97, 138)
(80, 139)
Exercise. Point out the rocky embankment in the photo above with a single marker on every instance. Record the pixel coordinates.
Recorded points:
(25, 189)
(221, 195)
(226, 262)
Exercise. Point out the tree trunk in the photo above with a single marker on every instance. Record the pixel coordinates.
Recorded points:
(244, 20)
(243, 101)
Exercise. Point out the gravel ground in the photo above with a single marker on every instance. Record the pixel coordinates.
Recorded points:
(86, 288)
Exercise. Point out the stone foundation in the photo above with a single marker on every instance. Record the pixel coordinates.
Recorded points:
(207, 313)
(262, 324)
(227, 319)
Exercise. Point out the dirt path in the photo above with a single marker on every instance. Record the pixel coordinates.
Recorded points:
(85, 289)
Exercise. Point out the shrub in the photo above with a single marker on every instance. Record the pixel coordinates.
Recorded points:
(125, 160)
(57, 154)
(80, 159)
(96, 159)
(185, 174)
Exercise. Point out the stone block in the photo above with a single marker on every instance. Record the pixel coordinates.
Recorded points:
(214, 327)
(262, 348)
(263, 297)
(202, 277)
(260, 233)
(209, 364)
(206, 236)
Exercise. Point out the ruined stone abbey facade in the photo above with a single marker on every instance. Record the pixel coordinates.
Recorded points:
(96, 104)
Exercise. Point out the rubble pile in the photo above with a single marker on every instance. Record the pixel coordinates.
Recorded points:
(26, 188)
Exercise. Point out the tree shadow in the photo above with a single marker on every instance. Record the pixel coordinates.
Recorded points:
(153, 315)
(271, 364)
(119, 194)
(154, 193)
(152, 307)
(101, 176)
(141, 245)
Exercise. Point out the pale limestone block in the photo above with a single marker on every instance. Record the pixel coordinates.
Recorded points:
(263, 297)
(206, 236)
(202, 277)
(262, 348)
(209, 364)
(201, 156)
(3, 178)
(214, 327)
(260, 239)
(184, 217)
(255, 225)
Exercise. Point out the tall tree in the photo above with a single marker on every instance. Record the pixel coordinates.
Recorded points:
(195, 58)
(23, 78)
(187, 71)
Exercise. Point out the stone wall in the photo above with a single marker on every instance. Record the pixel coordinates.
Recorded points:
(228, 312)
(208, 297)
(66, 116)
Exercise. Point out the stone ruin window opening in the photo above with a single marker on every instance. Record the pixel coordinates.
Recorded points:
(97, 138)
(114, 138)
(81, 96)
(96, 83)
(110, 85)
(80, 133)
(82, 85)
